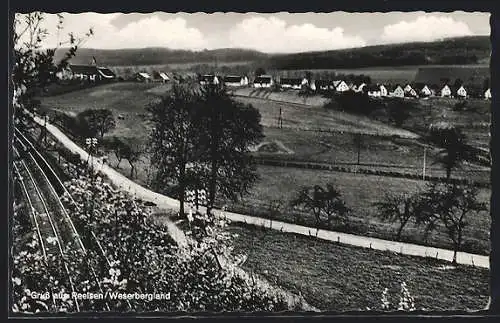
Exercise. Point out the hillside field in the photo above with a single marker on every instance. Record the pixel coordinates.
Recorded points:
(336, 277)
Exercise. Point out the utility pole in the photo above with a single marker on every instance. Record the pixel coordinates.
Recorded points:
(425, 156)
(280, 119)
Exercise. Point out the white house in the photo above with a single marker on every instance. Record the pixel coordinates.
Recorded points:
(410, 91)
(360, 87)
(446, 91)
(304, 82)
(425, 91)
(383, 90)
(398, 92)
(263, 81)
(487, 94)
(234, 81)
(461, 92)
(341, 86)
(164, 77)
(408, 88)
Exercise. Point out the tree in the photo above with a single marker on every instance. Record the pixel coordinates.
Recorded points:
(226, 131)
(259, 71)
(398, 111)
(173, 139)
(398, 208)
(97, 121)
(454, 146)
(132, 151)
(325, 204)
(451, 205)
(34, 67)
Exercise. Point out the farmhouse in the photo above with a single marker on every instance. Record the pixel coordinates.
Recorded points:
(341, 86)
(143, 77)
(461, 92)
(446, 91)
(291, 83)
(263, 81)
(234, 81)
(209, 79)
(487, 94)
(398, 92)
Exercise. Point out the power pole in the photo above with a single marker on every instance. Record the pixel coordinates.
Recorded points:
(425, 156)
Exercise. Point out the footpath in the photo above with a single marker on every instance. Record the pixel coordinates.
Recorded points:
(167, 203)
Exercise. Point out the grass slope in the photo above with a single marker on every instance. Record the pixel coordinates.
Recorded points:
(337, 277)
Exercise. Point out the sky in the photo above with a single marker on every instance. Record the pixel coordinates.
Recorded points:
(270, 33)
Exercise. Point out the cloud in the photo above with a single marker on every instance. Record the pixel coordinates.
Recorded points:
(424, 28)
(273, 35)
(149, 31)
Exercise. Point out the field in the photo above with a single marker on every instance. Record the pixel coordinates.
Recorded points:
(125, 98)
(337, 277)
(316, 117)
(359, 191)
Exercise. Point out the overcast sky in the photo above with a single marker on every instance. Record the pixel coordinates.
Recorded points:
(271, 33)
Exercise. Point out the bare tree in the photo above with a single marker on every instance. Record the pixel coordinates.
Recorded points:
(398, 208)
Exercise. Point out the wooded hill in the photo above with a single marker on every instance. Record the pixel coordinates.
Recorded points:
(452, 51)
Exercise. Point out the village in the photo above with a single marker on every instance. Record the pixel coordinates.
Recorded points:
(448, 89)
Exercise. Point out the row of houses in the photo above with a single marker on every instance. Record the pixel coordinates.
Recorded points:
(373, 90)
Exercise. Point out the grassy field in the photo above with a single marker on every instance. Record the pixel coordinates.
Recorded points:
(316, 117)
(359, 192)
(406, 154)
(337, 277)
(127, 99)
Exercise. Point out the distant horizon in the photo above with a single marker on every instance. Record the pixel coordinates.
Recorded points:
(270, 33)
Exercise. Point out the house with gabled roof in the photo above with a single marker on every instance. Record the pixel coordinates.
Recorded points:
(461, 92)
(263, 81)
(86, 72)
(446, 91)
(235, 80)
(422, 89)
(398, 92)
(341, 86)
(383, 90)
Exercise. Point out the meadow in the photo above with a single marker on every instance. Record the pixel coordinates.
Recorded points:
(336, 277)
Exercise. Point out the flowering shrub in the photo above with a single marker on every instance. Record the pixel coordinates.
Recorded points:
(202, 276)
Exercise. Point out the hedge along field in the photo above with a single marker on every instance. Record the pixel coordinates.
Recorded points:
(359, 191)
(336, 277)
